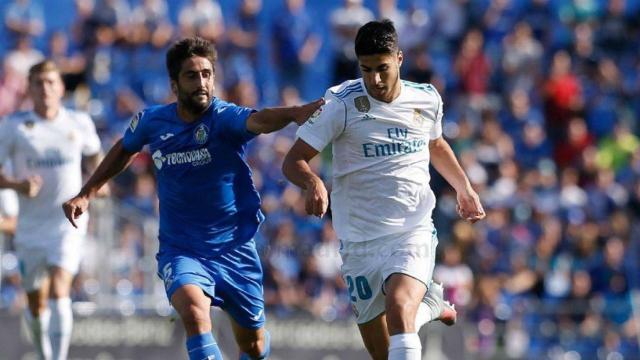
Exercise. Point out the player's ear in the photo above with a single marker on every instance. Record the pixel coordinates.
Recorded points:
(174, 87)
(400, 58)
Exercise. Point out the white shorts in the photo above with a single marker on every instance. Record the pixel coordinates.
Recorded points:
(366, 266)
(36, 261)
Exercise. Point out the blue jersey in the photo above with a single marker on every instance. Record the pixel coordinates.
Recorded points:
(208, 203)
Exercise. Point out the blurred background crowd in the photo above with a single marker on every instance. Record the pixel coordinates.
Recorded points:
(541, 106)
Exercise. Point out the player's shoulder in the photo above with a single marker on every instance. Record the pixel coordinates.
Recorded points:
(77, 116)
(13, 121)
(421, 90)
(347, 89)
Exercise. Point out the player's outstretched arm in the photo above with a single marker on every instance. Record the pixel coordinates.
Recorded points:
(296, 168)
(117, 159)
(445, 162)
(271, 119)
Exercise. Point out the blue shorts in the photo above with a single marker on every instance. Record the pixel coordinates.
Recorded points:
(232, 280)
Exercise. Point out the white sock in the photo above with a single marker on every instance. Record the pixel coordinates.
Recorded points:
(60, 327)
(405, 347)
(39, 327)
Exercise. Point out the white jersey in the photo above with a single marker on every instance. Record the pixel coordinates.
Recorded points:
(51, 149)
(380, 157)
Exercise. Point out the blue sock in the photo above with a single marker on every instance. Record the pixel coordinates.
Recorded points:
(267, 349)
(203, 347)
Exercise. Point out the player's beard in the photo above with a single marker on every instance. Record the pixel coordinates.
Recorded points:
(191, 103)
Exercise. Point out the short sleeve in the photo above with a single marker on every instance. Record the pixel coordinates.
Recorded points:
(233, 120)
(325, 125)
(6, 140)
(135, 137)
(8, 203)
(436, 131)
(91, 141)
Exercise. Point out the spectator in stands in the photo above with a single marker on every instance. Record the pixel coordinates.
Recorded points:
(24, 18)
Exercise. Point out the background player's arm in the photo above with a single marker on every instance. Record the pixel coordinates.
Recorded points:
(272, 119)
(28, 187)
(444, 161)
(117, 159)
(296, 168)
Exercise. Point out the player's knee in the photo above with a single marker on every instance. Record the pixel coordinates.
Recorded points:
(195, 316)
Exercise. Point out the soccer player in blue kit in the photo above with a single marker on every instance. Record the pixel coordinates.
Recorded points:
(209, 207)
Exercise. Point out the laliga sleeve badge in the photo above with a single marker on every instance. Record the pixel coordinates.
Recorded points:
(134, 122)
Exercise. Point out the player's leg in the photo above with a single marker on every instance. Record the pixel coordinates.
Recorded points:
(253, 343)
(61, 323)
(63, 261)
(404, 295)
(190, 290)
(38, 317)
(376, 337)
(361, 268)
(194, 308)
(238, 275)
(36, 284)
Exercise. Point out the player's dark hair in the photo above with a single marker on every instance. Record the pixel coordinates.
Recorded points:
(185, 49)
(377, 37)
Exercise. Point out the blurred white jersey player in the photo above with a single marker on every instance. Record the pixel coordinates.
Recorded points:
(45, 148)
(385, 132)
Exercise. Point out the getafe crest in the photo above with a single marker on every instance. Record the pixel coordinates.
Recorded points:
(201, 134)
(362, 103)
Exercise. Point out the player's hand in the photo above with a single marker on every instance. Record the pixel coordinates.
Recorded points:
(74, 208)
(469, 206)
(31, 186)
(307, 110)
(317, 199)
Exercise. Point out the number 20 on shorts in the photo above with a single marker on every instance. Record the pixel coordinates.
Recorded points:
(361, 285)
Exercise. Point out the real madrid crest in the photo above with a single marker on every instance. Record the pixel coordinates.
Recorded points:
(362, 103)
(29, 124)
(418, 118)
(201, 134)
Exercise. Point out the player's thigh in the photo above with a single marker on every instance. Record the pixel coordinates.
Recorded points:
(63, 262)
(177, 270)
(194, 308)
(361, 270)
(376, 337)
(238, 275)
(33, 273)
(61, 280)
(403, 297)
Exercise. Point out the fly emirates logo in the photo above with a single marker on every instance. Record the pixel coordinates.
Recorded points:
(400, 144)
(196, 157)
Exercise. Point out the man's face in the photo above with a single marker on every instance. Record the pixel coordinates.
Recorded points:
(46, 89)
(380, 73)
(194, 88)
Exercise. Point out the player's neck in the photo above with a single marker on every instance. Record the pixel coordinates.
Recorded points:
(47, 113)
(187, 116)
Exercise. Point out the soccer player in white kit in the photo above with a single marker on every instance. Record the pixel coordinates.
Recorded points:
(45, 147)
(385, 131)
